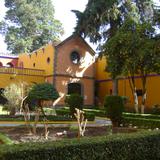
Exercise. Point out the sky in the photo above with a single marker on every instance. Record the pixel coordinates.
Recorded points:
(62, 12)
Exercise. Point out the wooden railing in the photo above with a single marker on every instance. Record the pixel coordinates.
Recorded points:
(22, 71)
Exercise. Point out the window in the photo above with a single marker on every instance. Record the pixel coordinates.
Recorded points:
(34, 64)
(75, 57)
(9, 65)
(48, 60)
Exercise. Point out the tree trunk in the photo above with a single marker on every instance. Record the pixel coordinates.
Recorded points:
(115, 87)
(136, 102)
(144, 96)
(27, 118)
(144, 92)
(12, 111)
(36, 121)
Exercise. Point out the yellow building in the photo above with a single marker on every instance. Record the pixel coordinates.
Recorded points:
(105, 85)
(68, 65)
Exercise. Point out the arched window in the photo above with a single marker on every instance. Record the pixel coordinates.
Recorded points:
(10, 65)
(1, 65)
(74, 88)
(75, 57)
(48, 60)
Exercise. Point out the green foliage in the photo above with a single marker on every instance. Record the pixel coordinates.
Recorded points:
(74, 101)
(66, 112)
(156, 109)
(29, 25)
(136, 146)
(14, 93)
(101, 19)
(5, 140)
(141, 120)
(43, 91)
(19, 118)
(114, 107)
(145, 116)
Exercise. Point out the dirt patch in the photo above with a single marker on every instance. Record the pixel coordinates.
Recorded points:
(20, 134)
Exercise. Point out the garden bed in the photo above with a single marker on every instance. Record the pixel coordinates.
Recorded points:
(20, 134)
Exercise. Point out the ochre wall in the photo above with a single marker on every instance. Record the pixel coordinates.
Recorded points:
(39, 58)
(104, 84)
(10, 77)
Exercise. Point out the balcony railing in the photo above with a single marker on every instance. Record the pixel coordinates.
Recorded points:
(22, 71)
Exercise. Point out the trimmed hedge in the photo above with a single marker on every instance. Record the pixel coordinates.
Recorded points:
(145, 116)
(66, 112)
(141, 122)
(49, 117)
(96, 112)
(114, 107)
(133, 146)
(5, 140)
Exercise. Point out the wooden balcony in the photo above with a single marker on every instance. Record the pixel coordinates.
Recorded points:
(22, 71)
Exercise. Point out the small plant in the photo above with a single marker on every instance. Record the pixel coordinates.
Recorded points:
(114, 107)
(74, 101)
(82, 122)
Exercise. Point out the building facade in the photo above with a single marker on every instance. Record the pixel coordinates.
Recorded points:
(69, 66)
(105, 86)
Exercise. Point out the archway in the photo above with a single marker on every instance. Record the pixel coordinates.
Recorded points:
(75, 88)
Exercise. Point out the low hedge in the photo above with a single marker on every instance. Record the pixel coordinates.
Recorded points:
(133, 146)
(49, 117)
(141, 122)
(145, 116)
(5, 140)
(96, 112)
(66, 112)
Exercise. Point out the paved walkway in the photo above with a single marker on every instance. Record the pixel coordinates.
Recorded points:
(99, 121)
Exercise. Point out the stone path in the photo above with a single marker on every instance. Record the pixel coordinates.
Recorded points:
(99, 121)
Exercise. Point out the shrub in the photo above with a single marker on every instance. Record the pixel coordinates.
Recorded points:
(43, 92)
(135, 146)
(14, 93)
(156, 109)
(5, 140)
(114, 107)
(74, 101)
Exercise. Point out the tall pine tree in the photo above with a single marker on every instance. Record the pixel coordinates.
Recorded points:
(29, 24)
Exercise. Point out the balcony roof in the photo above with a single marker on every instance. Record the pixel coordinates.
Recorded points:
(8, 55)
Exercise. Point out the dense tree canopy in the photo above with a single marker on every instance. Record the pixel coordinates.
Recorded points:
(126, 30)
(101, 19)
(29, 24)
